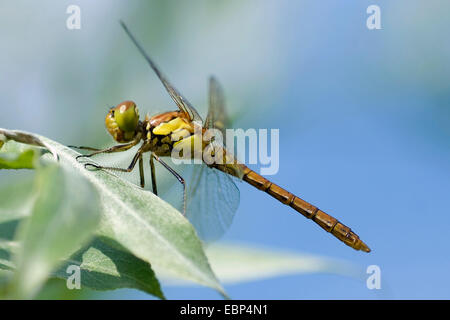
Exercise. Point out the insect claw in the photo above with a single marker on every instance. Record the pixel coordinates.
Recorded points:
(92, 165)
(82, 156)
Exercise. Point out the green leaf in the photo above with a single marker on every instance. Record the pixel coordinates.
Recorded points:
(6, 248)
(18, 156)
(16, 199)
(106, 268)
(23, 137)
(5, 276)
(237, 263)
(56, 288)
(64, 216)
(102, 267)
(23, 160)
(141, 222)
(146, 225)
(16, 202)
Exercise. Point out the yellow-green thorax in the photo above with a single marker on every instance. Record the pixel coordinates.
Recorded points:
(172, 131)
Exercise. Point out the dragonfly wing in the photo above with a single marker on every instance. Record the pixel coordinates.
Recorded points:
(217, 117)
(182, 103)
(212, 200)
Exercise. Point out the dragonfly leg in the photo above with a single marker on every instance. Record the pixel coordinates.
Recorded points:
(84, 148)
(179, 178)
(152, 169)
(130, 168)
(117, 148)
(141, 171)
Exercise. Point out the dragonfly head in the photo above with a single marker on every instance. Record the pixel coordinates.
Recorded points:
(122, 121)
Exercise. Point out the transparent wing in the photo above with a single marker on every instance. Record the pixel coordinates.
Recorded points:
(212, 196)
(217, 117)
(181, 101)
(212, 200)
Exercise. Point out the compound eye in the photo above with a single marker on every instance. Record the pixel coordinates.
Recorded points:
(126, 115)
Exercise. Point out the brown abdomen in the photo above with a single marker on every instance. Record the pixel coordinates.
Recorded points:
(325, 221)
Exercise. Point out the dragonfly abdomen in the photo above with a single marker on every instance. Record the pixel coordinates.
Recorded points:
(325, 221)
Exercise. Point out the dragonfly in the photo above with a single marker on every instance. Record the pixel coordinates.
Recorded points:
(162, 134)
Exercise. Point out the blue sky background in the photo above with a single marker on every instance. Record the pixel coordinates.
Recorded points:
(363, 115)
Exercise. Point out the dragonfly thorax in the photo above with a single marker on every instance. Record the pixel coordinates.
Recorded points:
(164, 131)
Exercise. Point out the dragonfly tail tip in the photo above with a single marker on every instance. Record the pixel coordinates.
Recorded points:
(364, 247)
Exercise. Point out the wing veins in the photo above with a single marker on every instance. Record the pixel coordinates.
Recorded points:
(182, 103)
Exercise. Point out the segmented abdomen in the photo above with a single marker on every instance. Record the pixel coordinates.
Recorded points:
(325, 221)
